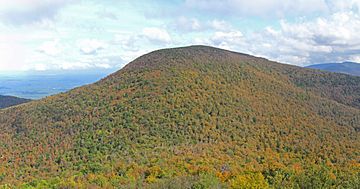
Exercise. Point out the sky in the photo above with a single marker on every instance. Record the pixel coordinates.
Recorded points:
(61, 35)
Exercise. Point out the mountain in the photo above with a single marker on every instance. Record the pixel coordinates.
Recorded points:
(7, 101)
(350, 68)
(190, 117)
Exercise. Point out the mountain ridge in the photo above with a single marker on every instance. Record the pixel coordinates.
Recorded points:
(351, 68)
(185, 113)
(8, 101)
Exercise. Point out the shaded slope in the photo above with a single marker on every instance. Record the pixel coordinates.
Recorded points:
(180, 112)
(7, 101)
(341, 88)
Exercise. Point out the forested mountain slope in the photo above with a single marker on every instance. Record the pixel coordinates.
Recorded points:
(7, 101)
(190, 117)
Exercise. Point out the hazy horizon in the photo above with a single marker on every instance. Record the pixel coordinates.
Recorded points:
(37, 85)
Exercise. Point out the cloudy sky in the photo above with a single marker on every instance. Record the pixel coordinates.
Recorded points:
(107, 34)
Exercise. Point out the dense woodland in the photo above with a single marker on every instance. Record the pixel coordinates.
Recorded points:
(8, 101)
(194, 117)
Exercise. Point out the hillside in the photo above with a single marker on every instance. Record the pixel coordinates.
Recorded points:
(350, 68)
(7, 101)
(191, 117)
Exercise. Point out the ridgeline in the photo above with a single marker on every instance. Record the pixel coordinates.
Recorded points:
(191, 117)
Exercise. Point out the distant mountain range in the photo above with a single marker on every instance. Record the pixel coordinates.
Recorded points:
(7, 101)
(350, 68)
(36, 85)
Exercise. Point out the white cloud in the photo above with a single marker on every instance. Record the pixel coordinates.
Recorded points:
(227, 40)
(267, 8)
(355, 58)
(220, 25)
(13, 56)
(156, 35)
(323, 39)
(185, 24)
(188, 24)
(64, 65)
(54, 34)
(127, 41)
(91, 46)
(40, 67)
(103, 65)
(19, 12)
(73, 66)
(330, 39)
(344, 5)
(50, 48)
(108, 15)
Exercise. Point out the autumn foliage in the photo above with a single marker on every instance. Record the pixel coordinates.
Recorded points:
(193, 117)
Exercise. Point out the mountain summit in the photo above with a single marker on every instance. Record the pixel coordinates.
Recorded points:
(190, 117)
